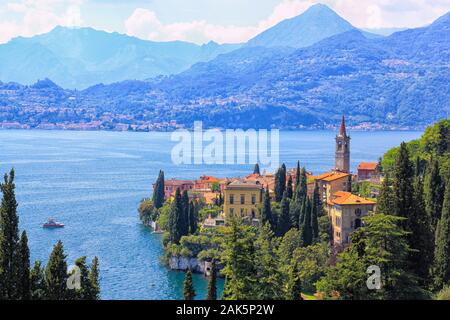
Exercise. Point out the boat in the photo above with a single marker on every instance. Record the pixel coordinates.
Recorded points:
(52, 223)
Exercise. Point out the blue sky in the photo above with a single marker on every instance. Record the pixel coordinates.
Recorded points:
(201, 20)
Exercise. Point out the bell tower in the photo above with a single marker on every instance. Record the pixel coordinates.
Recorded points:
(343, 149)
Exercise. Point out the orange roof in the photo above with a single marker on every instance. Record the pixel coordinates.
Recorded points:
(208, 179)
(368, 166)
(347, 198)
(330, 176)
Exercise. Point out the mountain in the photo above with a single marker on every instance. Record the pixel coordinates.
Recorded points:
(315, 24)
(81, 57)
(400, 81)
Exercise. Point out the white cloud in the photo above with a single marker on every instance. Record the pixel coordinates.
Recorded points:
(39, 16)
(145, 24)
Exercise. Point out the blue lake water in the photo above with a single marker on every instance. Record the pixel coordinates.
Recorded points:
(93, 182)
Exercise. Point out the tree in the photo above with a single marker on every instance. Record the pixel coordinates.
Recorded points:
(256, 170)
(385, 200)
(314, 223)
(269, 285)
(9, 240)
(212, 283)
(85, 291)
(37, 282)
(301, 190)
(297, 175)
(238, 260)
(24, 268)
(94, 280)
(56, 274)
(403, 184)
(420, 237)
(158, 192)
(266, 210)
(193, 217)
(280, 183)
(176, 219)
(188, 291)
(294, 290)
(434, 190)
(295, 209)
(289, 188)
(284, 220)
(184, 221)
(442, 249)
(306, 228)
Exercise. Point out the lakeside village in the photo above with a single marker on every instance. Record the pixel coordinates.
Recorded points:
(291, 231)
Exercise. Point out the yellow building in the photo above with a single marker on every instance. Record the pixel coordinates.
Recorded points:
(345, 211)
(242, 198)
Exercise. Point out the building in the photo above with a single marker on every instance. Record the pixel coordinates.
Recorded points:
(206, 183)
(242, 198)
(367, 170)
(345, 211)
(342, 149)
(171, 186)
(330, 183)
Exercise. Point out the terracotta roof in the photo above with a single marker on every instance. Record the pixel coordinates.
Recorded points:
(330, 176)
(347, 198)
(368, 166)
(208, 179)
(174, 182)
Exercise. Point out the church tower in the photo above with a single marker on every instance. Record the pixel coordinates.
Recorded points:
(343, 149)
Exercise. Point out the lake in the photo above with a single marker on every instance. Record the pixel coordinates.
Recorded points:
(93, 182)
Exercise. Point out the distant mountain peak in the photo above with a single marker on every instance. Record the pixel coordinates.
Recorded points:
(315, 24)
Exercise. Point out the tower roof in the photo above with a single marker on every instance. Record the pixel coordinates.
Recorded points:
(343, 132)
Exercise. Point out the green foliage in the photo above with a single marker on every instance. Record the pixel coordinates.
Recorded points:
(434, 192)
(311, 263)
(306, 229)
(163, 219)
(444, 294)
(56, 274)
(266, 211)
(147, 211)
(442, 249)
(211, 293)
(324, 229)
(188, 290)
(238, 259)
(158, 192)
(280, 183)
(24, 291)
(289, 188)
(9, 240)
(38, 286)
(284, 219)
(215, 187)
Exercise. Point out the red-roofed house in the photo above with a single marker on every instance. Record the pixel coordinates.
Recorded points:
(367, 170)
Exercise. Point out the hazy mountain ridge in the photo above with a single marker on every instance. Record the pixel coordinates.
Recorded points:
(397, 81)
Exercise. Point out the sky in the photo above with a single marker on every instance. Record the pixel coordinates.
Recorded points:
(200, 21)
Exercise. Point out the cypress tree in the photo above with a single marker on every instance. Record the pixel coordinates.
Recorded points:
(37, 282)
(188, 291)
(9, 240)
(212, 283)
(256, 169)
(420, 238)
(266, 210)
(280, 183)
(176, 219)
(192, 218)
(56, 274)
(294, 291)
(284, 220)
(158, 192)
(94, 275)
(85, 291)
(403, 184)
(301, 191)
(434, 192)
(184, 221)
(289, 188)
(306, 231)
(442, 249)
(297, 175)
(24, 268)
(295, 209)
(314, 223)
(385, 200)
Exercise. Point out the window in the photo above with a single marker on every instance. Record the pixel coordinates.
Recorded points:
(242, 198)
(358, 212)
(242, 211)
(231, 199)
(253, 199)
(357, 223)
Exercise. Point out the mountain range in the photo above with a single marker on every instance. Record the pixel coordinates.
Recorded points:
(306, 80)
